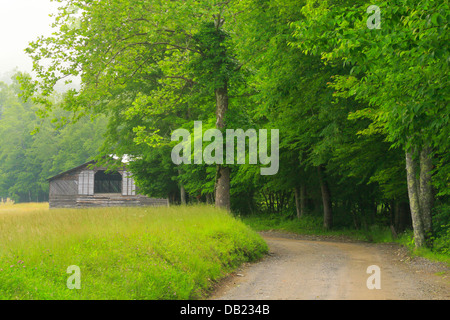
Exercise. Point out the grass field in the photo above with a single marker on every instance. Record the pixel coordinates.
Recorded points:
(122, 253)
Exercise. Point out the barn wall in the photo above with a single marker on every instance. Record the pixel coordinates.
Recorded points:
(117, 200)
(63, 187)
(86, 182)
(128, 186)
(63, 191)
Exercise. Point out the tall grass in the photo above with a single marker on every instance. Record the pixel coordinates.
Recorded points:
(123, 253)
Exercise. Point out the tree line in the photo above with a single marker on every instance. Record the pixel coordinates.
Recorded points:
(35, 148)
(363, 112)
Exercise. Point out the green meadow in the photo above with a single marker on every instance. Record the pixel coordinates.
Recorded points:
(174, 252)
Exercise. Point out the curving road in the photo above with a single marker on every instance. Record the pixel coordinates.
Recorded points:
(334, 270)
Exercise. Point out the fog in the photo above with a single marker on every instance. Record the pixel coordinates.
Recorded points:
(22, 21)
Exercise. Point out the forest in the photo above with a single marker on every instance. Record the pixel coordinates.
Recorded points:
(360, 99)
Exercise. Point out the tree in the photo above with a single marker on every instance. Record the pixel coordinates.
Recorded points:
(400, 70)
(292, 94)
(33, 149)
(156, 59)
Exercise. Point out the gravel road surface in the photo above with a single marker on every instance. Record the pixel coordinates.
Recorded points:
(309, 268)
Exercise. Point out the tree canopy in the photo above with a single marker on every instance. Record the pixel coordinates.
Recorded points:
(355, 103)
(33, 149)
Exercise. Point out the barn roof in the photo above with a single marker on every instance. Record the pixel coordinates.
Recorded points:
(70, 170)
(125, 159)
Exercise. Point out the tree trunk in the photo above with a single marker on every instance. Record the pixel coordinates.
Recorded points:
(392, 214)
(396, 219)
(182, 191)
(209, 198)
(326, 198)
(356, 222)
(182, 194)
(393, 232)
(222, 187)
(425, 190)
(302, 199)
(374, 212)
(401, 216)
(297, 202)
(413, 190)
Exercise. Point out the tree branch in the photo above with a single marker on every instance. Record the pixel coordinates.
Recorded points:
(190, 81)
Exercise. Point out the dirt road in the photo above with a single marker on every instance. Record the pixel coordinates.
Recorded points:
(307, 269)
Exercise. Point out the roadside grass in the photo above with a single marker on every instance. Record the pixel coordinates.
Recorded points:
(313, 225)
(307, 225)
(407, 239)
(122, 253)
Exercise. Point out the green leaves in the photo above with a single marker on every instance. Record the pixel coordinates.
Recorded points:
(343, 95)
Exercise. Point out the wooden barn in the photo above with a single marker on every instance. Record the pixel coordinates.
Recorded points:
(89, 185)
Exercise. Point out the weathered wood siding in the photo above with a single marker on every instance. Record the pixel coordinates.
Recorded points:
(128, 187)
(86, 182)
(107, 200)
(63, 187)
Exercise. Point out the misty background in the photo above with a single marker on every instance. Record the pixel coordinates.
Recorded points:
(21, 22)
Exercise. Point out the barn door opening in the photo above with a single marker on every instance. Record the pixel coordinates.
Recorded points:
(107, 182)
